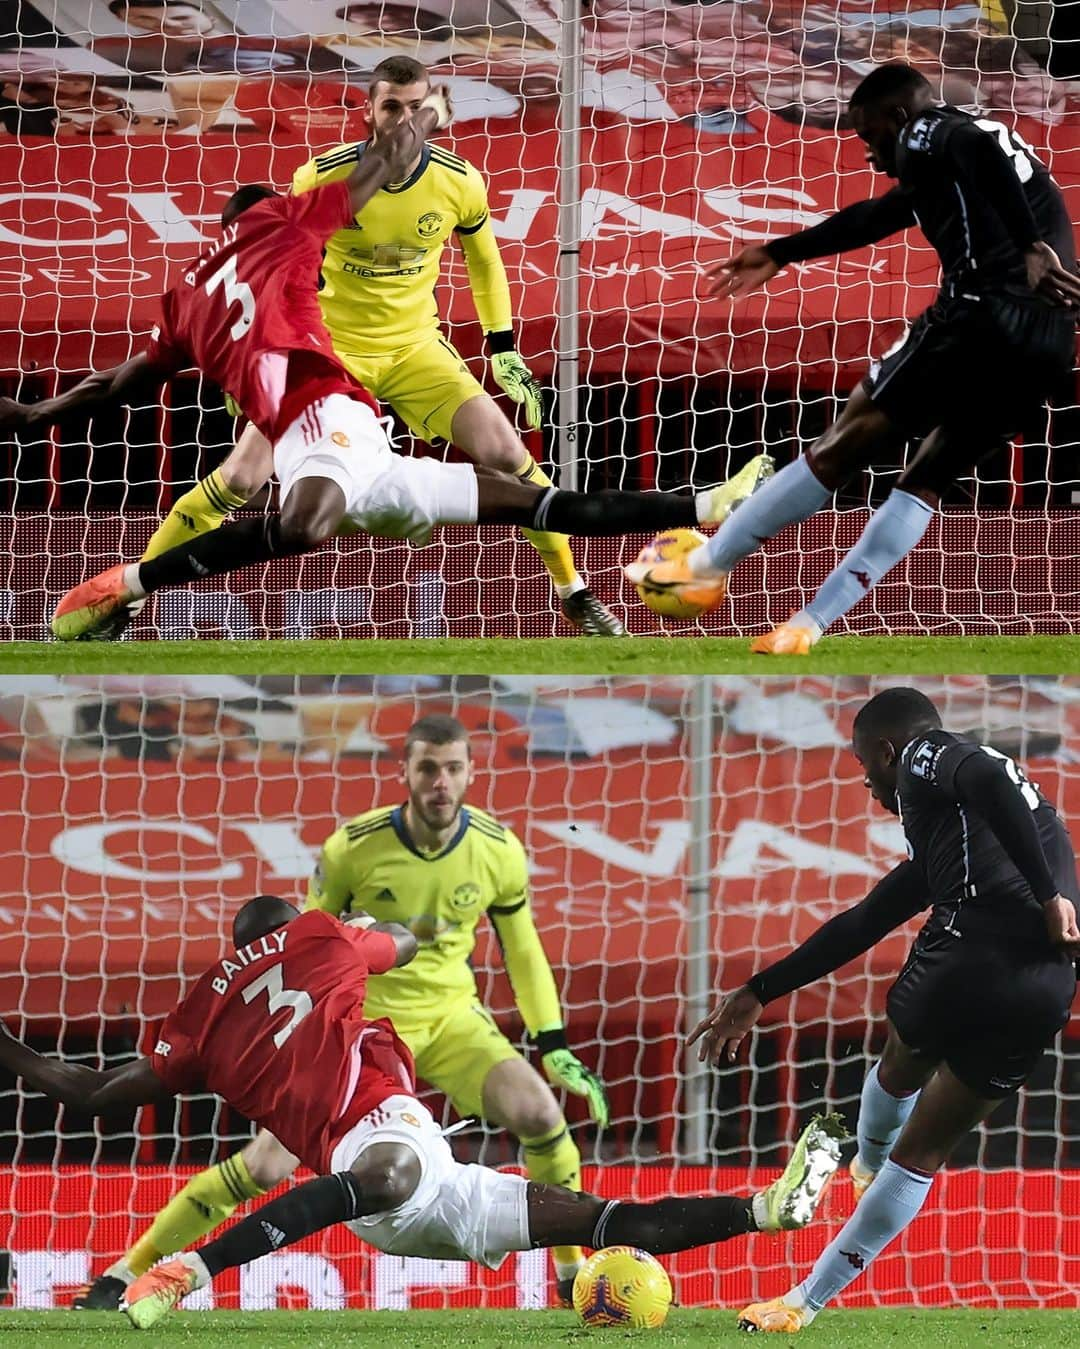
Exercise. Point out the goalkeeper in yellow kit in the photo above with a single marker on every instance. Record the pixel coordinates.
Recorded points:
(377, 298)
(437, 866)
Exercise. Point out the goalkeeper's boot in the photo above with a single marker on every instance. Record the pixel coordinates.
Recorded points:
(793, 638)
(861, 1177)
(724, 499)
(91, 605)
(564, 1291)
(115, 627)
(159, 1290)
(103, 1295)
(792, 1200)
(775, 1315)
(586, 612)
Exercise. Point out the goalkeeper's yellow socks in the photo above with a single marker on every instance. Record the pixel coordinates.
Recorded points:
(553, 1159)
(203, 508)
(554, 549)
(203, 1204)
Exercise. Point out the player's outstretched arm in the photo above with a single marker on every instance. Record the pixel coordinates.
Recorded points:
(856, 226)
(118, 385)
(84, 1088)
(388, 157)
(537, 997)
(404, 941)
(898, 896)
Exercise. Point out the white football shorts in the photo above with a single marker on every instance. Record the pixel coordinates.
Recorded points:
(387, 494)
(456, 1212)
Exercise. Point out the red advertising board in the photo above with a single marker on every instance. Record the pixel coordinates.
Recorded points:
(1004, 1238)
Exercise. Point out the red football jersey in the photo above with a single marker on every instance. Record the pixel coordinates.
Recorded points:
(247, 312)
(277, 1029)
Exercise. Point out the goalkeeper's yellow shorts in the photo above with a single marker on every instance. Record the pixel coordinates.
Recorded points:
(454, 1054)
(424, 386)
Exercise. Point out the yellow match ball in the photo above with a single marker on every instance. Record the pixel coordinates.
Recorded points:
(691, 601)
(622, 1286)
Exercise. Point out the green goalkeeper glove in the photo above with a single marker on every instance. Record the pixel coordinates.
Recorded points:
(516, 380)
(566, 1070)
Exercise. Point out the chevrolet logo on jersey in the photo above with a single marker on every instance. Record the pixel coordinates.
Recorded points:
(428, 927)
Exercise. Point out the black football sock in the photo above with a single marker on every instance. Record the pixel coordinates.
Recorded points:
(602, 513)
(674, 1224)
(293, 1216)
(237, 544)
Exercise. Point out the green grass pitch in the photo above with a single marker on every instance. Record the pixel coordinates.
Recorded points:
(685, 1329)
(552, 656)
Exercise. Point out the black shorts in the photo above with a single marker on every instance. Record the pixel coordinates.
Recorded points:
(985, 1010)
(980, 366)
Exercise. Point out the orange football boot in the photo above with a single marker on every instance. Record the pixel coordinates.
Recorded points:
(91, 605)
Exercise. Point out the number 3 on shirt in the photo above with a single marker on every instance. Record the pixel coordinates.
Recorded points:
(236, 292)
(279, 997)
(1012, 145)
(1028, 791)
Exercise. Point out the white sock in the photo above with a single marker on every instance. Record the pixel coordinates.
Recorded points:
(120, 1270)
(887, 1207)
(195, 1262)
(881, 1117)
(132, 582)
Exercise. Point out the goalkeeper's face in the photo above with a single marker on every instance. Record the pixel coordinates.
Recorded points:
(391, 104)
(438, 777)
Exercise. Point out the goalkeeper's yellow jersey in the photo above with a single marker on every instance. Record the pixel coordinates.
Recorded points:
(372, 863)
(377, 289)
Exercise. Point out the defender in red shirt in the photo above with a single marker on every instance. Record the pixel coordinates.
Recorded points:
(277, 1028)
(247, 315)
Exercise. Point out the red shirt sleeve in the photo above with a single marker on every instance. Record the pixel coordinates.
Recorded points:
(323, 210)
(378, 949)
(163, 351)
(174, 1058)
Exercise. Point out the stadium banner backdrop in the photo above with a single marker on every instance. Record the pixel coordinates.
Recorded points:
(963, 1248)
(706, 127)
(150, 808)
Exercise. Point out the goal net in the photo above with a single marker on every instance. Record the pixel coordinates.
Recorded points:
(704, 127)
(143, 812)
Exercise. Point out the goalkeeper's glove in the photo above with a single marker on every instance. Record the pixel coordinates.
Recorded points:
(514, 377)
(566, 1070)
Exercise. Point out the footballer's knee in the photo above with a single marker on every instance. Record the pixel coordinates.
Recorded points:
(250, 463)
(480, 429)
(854, 440)
(388, 1173)
(312, 513)
(518, 1098)
(267, 1161)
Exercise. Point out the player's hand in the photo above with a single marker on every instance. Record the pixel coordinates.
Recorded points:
(1061, 924)
(1046, 275)
(738, 276)
(723, 1030)
(13, 416)
(518, 382)
(563, 1069)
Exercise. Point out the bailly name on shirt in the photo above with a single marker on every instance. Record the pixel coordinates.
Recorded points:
(273, 944)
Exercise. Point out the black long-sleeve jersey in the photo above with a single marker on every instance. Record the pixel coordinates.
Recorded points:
(977, 191)
(986, 851)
